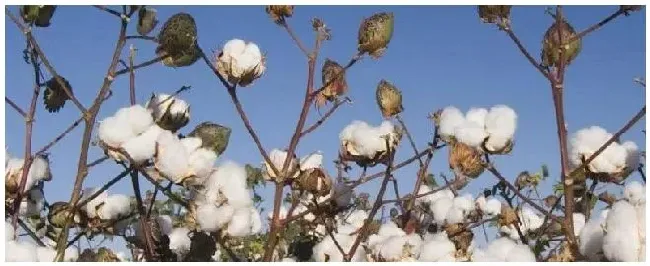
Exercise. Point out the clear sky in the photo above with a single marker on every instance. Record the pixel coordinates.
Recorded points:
(438, 56)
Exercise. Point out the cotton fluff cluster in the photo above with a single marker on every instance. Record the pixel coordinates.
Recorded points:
(498, 125)
(591, 237)
(129, 129)
(624, 238)
(393, 244)
(346, 235)
(104, 206)
(277, 158)
(179, 159)
(25, 251)
(361, 139)
(225, 202)
(504, 250)
(169, 112)
(615, 159)
(490, 207)
(529, 221)
(445, 207)
(180, 242)
(437, 248)
(241, 62)
(38, 171)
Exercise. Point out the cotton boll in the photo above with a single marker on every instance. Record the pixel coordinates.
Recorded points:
(20, 252)
(191, 143)
(234, 47)
(477, 115)
(454, 215)
(591, 240)
(206, 217)
(114, 132)
(500, 124)
(530, 219)
(470, 133)
(438, 249)
(230, 179)
(165, 223)
(500, 248)
(578, 223)
(139, 118)
(201, 162)
(172, 159)
(440, 208)
(71, 254)
(622, 241)
(481, 203)
(39, 170)
(143, 147)
(115, 206)
(493, 207)
(445, 193)
(464, 203)
(45, 254)
(179, 241)
(240, 225)
(633, 158)
(450, 119)
(634, 193)
(91, 208)
(391, 248)
(9, 232)
(357, 218)
(314, 160)
(256, 221)
(520, 253)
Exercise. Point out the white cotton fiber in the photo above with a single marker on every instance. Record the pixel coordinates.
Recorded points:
(622, 241)
(493, 207)
(578, 223)
(138, 117)
(191, 143)
(230, 179)
(357, 218)
(9, 232)
(143, 147)
(313, 160)
(633, 158)
(45, 254)
(614, 159)
(201, 162)
(114, 132)
(20, 252)
(172, 158)
(179, 241)
(470, 133)
(366, 140)
(438, 249)
(256, 221)
(91, 208)
(439, 208)
(165, 223)
(114, 207)
(240, 225)
(500, 124)
(591, 239)
(634, 193)
(450, 119)
(207, 216)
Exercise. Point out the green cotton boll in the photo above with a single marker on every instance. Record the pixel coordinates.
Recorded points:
(375, 33)
(147, 20)
(45, 14)
(178, 36)
(213, 136)
(551, 45)
(183, 60)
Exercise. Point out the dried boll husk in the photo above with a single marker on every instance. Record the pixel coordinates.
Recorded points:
(106, 255)
(147, 20)
(551, 46)
(333, 78)
(465, 159)
(58, 214)
(177, 38)
(494, 13)
(507, 217)
(389, 99)
(375, 33)
(278, 13)
(54, 96)
(213, 136)
(315, 181)
(39, 15)
(292, 170)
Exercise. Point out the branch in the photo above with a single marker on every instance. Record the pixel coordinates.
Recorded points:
(148, 38)
(293, 35)
(525, 52)
(149, 249)
(141, 65)
(13, 105)
(108, 10)
(597, 25)
(132, 76)
(59, 137)
(105, 187)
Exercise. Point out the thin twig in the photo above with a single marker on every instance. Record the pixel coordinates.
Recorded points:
(108, 10)
(13, 105)
(105, 187)
(596, 26)
(96, 162)
(148, 38)
(141, 65)
(149, 249)
(323, 118)
(131, 75)
(59, 137)
(293, 35)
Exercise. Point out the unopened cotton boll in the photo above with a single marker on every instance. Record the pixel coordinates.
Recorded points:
(438, 249)
(179, 241)
(634, 193)
(313, 160)
(240, 225)
(343, 194)
(143, 147)
(622, 240)
(450, 119)
(114, 207)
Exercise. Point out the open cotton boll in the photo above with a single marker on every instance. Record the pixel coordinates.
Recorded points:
(633, 158)
(240, 225)
(391, 248)
(91, 207)
(445, 193)
(439, 208)
(208, 216)
(500, 124)
(520, 253)
(113, 132)
(587, 141)
(530, 219)
(179, 241)
(496, 250)
(357, 218)
(191, 143)
(591, 239)
(493, 207)
(234, 47)
(139, 118)
(172, 159)
(115, 206)
(230, 180)
(256, 221)
(477, 115)
(622, 240)
(313, 160)
(438, 249)
(481, 203)
(201, 162)
(327, 249)
(71, 254)
(578, 223)
(282, 213)
(470, 133)
(634, 193)
(20, 252)
(450, 119)
(143, 147)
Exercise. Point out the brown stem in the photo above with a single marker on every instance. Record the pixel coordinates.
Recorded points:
(13, 105)
(363, 233)
(132, 76)
(149, 249)
(60, 136)
(41, 55)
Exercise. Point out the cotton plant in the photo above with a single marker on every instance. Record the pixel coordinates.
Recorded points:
(367, 144)
(490, 131)
(240, 62)
(183, 159)
(490, 207)
(127, 123)
(617, 161)
(393, 244)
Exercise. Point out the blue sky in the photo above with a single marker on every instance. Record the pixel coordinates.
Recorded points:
(438, 56)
